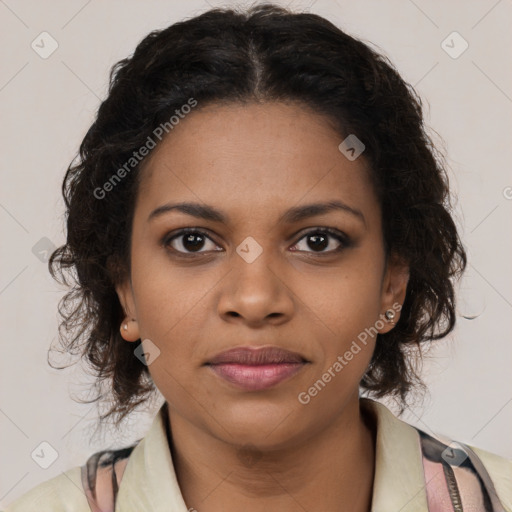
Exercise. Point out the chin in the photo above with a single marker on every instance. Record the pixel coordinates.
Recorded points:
(264, 426)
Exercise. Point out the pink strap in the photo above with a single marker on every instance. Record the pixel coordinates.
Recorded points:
(438, 497)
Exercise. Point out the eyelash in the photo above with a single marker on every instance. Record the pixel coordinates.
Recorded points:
(337, 235)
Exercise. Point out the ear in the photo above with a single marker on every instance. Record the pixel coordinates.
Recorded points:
(394, 288)
(129, 327)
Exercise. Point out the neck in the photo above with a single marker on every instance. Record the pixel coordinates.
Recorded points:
(330, 470)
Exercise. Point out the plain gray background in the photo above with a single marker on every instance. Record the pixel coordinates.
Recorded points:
(47, 105)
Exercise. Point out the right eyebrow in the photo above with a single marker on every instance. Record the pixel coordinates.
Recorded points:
(293, 215)
(194, 209)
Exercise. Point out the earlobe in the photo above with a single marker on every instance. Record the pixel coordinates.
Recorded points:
(129, 328)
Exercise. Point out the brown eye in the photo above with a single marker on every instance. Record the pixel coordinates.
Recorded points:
(320, 239)
(190, 241)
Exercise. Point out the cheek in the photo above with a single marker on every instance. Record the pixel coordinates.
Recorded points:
(172, 324)
(343, 310)
(346, 300)
(166, 294)
(345, 339)
(172, 305)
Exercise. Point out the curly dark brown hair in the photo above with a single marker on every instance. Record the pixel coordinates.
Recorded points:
(265, 53)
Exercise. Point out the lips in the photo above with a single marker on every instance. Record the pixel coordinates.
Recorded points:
(257, 356)
(256, 369)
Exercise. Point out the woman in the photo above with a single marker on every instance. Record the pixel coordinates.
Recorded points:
(261, 231)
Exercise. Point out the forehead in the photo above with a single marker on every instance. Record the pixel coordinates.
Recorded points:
(253, 157)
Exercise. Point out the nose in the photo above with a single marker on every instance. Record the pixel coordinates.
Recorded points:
(256, 293)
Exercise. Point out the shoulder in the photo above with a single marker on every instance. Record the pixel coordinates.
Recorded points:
(62, 493)
(470, 470)
(92, 486)
(450, 472)
(500, 472)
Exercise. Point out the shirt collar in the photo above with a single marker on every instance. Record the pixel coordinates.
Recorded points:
(399, 481)
(150, 484)
(149, 481)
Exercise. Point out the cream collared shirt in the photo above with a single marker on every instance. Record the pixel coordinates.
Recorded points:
(149, 483)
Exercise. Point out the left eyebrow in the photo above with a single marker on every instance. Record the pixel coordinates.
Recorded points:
(298, 213)
(295, 214)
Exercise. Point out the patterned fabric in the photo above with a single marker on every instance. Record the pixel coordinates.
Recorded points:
(101, 477)
(414, 472)
(455, 478)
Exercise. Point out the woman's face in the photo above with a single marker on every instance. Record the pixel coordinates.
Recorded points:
(261, 272)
